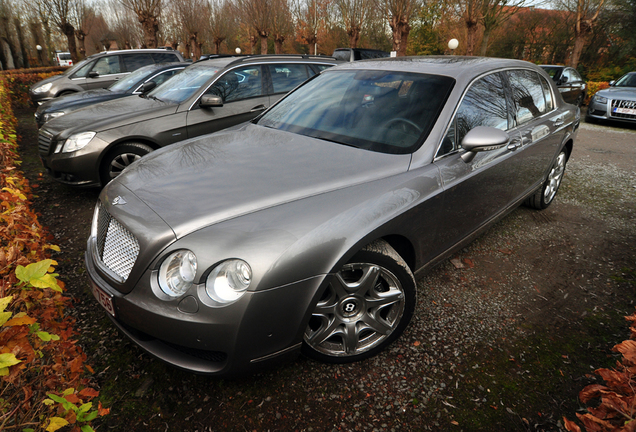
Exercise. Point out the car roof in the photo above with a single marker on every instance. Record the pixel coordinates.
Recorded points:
(458, 67)
(246, 59)
(133, 51)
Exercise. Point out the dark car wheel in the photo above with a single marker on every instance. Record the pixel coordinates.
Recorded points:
(120, 157)
(545, 195)
(367, 305)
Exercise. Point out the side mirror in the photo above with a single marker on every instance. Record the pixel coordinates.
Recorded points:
(147, 86)
(93, 74)
(612, 82)
(483, 138)
(211, 101)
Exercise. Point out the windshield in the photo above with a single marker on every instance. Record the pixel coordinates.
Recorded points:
(184, 84)
(78, 66)
(131, 80)
(554, 72)
(383, 111)
(628, 80)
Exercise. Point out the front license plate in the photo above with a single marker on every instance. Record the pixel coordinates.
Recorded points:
(106, 300)
(625, 111)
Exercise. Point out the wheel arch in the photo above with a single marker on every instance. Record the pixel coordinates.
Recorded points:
(127, 140)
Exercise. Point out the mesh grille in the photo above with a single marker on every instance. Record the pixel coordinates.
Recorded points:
(44, 142)
(623, 104)
(116, 246)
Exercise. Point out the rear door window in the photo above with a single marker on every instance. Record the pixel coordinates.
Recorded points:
(165, 57)
(108, 65)
(527, 95)
(135, 61)
(238, 84)
(286, 76)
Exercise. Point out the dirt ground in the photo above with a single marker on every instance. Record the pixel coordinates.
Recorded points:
(505, 335)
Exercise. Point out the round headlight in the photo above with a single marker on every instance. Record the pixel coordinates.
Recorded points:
(228, 281)
(77, 142)
(177, 272)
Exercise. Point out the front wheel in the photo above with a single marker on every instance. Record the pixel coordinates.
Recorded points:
(545, 195)
(120, 157)
(367, 305)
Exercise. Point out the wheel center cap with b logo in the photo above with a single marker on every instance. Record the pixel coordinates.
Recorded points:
(350, 307)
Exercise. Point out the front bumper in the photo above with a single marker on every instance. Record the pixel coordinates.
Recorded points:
(614, 109)
(261, 329)
(80, 168)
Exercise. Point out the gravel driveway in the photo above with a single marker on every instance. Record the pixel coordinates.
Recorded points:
(505, 334)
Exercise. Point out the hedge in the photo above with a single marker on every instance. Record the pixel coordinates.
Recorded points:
(44, 382)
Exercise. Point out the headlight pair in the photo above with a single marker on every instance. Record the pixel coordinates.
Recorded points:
(226, 283)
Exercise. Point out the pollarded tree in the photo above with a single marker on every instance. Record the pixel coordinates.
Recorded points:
(148, 13)
(586, 14)
(493, 14)
(60, 12)
(125, 30)
(257, 15)
(282, 23)
(354, 14)
(83, 16)
(222, 22)
(188, 13)
(399, 13)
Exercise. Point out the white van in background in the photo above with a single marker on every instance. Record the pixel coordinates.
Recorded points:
(62, 58)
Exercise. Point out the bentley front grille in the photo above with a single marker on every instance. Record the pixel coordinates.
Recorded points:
(117, 247)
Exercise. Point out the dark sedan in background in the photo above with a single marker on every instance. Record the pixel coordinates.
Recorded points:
(302, 230)
(572, 87)
(141, 81)
(92, 145)
(617, 103)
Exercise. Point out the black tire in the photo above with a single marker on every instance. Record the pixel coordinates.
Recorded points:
(544, 196)
(119, 158)
(66, 92)
(368, 303)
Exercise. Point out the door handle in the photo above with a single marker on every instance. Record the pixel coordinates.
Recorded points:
(258, 108)
(558, 122)
(514, 145)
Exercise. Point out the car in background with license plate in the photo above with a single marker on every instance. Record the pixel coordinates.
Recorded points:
(617, 103)
(303, 229)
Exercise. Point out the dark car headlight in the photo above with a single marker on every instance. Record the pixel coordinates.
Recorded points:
(177, 272)
(51, 115)
(600, 99)
(228, 281)
(75, 142)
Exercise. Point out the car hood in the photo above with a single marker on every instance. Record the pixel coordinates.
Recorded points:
(105, 115)
(217, 177)
(46, 81)
(79, 98)
(618, 93)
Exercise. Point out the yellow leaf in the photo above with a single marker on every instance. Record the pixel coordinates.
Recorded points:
(68, 391)
(4, 317)
(23, 320)
(4, 371)
(4, 302)
(8, 360)
(56, 423)
(56, 248)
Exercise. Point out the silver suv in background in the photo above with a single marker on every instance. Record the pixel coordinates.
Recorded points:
(99, 71)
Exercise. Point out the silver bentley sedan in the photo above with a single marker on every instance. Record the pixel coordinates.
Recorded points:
(303, 229)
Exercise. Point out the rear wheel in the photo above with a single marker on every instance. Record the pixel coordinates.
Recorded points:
(367, 305)
(545, 195)
(120, 157)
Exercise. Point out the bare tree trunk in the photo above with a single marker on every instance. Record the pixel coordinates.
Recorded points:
(263, 35)
(471, 36)
(484, 43)
(81, 41)
(253, 42)
(581, 37)
(217, 44)
(69, 32)
(279, 40)
(401, 29)
(150, 26)
(23, 52)
(13, 61)
(354, 36)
